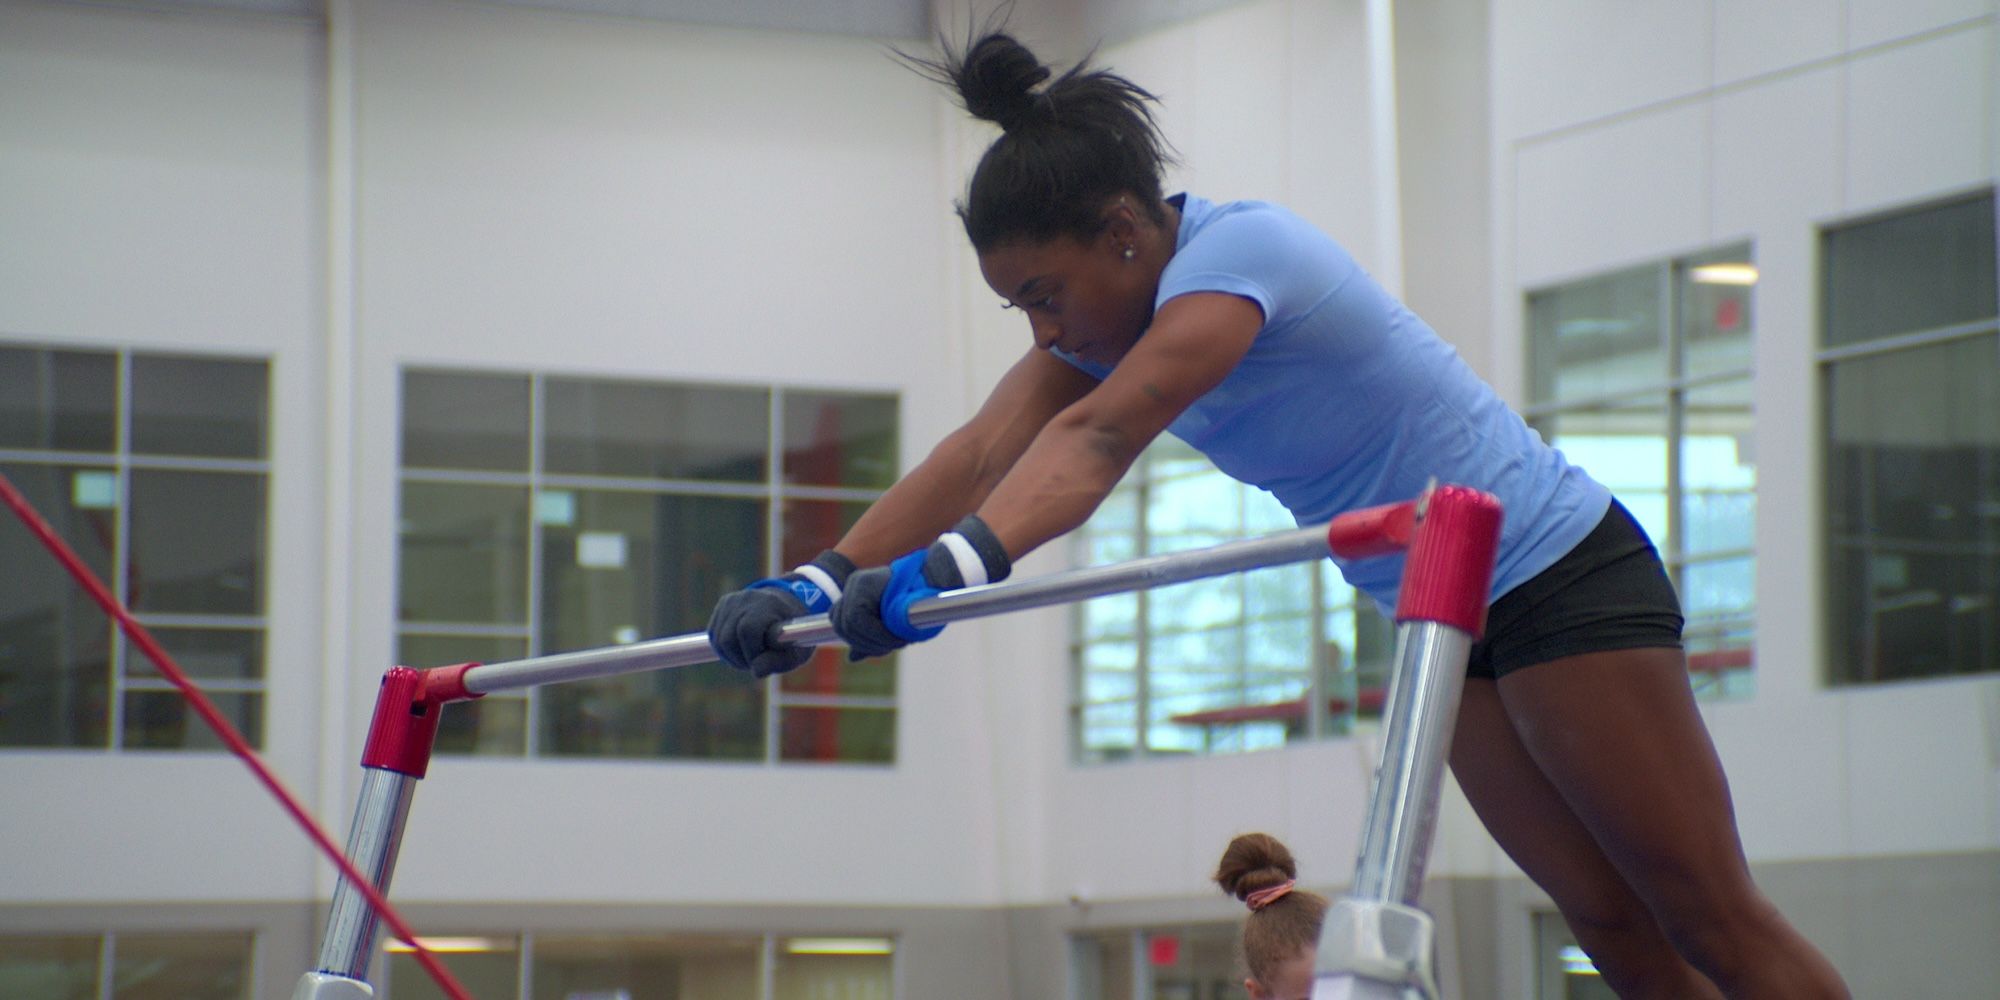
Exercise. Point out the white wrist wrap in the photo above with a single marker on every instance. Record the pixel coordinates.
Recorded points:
(971, 568)
(821, 579)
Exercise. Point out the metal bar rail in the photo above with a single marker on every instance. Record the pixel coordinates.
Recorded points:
(1380, 941)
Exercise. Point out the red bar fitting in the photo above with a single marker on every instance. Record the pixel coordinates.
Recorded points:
(1373, 531)
(404, 729)
(1449, 571)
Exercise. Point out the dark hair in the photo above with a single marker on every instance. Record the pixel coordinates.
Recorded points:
(1286, 926)
(1069, 147)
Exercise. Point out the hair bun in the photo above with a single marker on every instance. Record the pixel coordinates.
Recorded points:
(997, 81)
(1254, 861)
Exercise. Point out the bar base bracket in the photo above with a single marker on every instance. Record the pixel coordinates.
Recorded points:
(1382, 950)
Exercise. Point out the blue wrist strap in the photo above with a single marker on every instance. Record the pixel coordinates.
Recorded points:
(907, 586)
(805, 590)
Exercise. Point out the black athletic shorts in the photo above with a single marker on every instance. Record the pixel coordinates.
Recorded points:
(1610, 592)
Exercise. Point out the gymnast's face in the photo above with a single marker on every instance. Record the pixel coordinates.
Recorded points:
(1086, 297)
(1291, 980)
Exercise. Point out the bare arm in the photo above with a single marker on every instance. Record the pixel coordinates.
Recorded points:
(963, 469)
(1194, 342)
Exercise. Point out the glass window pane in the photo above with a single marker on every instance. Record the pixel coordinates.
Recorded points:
(456, 420)
(200, 406)
(1718, 470)
(858, 734)
(201, 653)
(673, 967)
(1108, 730)
(55, 645)
(640, 565)
(1917, 271)
(163, 720)
(1625, 448)
(634, 429)
(829, 672)
(1102, 963)
(54, 400)
(1113, 617)
(1596, 337)
(50, 968)
(813, 526)
(851, 968)
(496, 724)
(181, 967)
(636, 566)
(493, 971)
(197, 542)
(1717, 324)
(1196, 604)
(1913, 519)
(710, 712)
(840, 439)
(464, 554)
(1195, 962)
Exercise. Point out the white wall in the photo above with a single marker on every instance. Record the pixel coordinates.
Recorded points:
(159, 178)
(1638, 133)
(530, 192)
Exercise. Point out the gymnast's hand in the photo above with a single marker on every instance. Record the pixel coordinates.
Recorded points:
(740, 627)
(873, 613)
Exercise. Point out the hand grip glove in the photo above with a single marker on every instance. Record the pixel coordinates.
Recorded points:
(873, 613)
(742, 624)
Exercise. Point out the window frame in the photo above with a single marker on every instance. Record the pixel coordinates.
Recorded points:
(772, 491)
(1674, 391)
(122, 462)
(1826, 359)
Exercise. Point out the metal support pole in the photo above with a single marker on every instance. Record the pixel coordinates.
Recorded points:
(372, 844)
(1375, 944)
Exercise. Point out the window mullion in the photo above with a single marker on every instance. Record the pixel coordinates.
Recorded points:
(537, 427)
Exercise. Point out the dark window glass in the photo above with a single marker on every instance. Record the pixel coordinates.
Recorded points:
(54, 400)
(636, 566)
(1913, 467)
(640, 565)
(199, 406)
(453, 420)
(709, 712)
(163, 720)
(202, 653)
(834, 439)
(658, 967)
(55, 645)
(813, 526)
(650, 431)
(50, 968)
(1918, 271)
(197, 542)
(1597, 337)
(181, 967)
(464, 554)
(829, 672)
(853, 734)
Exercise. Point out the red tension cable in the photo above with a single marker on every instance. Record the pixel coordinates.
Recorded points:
(230, 737)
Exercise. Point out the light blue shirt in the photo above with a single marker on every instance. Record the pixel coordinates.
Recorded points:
(1347, 400)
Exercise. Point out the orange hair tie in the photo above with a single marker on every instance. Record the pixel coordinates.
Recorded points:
(1265, 897)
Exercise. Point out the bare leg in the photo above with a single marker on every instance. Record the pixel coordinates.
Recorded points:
(1537, 829)
(1619, 737)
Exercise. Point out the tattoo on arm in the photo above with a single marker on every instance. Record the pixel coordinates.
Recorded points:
(1154, 391)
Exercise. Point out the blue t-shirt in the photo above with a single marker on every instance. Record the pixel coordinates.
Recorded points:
(1347, 400)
